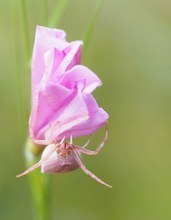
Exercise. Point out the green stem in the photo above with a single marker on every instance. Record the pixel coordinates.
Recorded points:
(19, 77)
(44, 11)
(39, 184)
(58, 11)
(25, 28)
(91, 24)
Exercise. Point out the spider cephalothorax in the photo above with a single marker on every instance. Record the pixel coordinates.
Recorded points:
(65, 149)
(62, 157)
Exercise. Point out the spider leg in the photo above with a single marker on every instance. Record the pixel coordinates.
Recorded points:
(38, 164)
(48, 135)
(44, 142)
(40, 142)
(87, 143)
(71, 140)
(98, 149)
(88, 172)
(85, 151)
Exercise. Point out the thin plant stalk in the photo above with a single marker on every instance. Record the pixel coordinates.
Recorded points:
(58, 12)
(39, 184)
(25, 31)
(91, 24)
(18, 72)
(44, 11)
(20, 78)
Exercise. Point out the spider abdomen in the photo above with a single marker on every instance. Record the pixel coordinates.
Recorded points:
(57, 163)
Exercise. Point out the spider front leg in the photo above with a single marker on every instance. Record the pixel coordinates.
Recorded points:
(85, 145)
(44, 142)
(88, 172)
(41, 142)
(38, 164)
(98, 149)
(48, 139)
(35, 166)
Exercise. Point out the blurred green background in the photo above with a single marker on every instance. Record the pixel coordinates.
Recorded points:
(130, 50)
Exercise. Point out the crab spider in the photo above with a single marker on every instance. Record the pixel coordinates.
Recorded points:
(62, 157)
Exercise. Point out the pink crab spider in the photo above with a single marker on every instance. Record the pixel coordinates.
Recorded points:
(62, 157)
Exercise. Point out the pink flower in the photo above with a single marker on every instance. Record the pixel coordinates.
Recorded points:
(62, 104)
(61, 89)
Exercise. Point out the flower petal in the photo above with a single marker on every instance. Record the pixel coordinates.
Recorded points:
(49, 103)
(79, 73)
(81, 117)
(52, 41)
(57, 62)
(61, 89)
(71, 112)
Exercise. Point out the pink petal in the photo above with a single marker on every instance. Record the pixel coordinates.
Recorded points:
(52, 40)
(51, 33)
(61, 89)
(75, 113)
(79, 73)
(50, 101)
(81, 117)
(59, 61)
